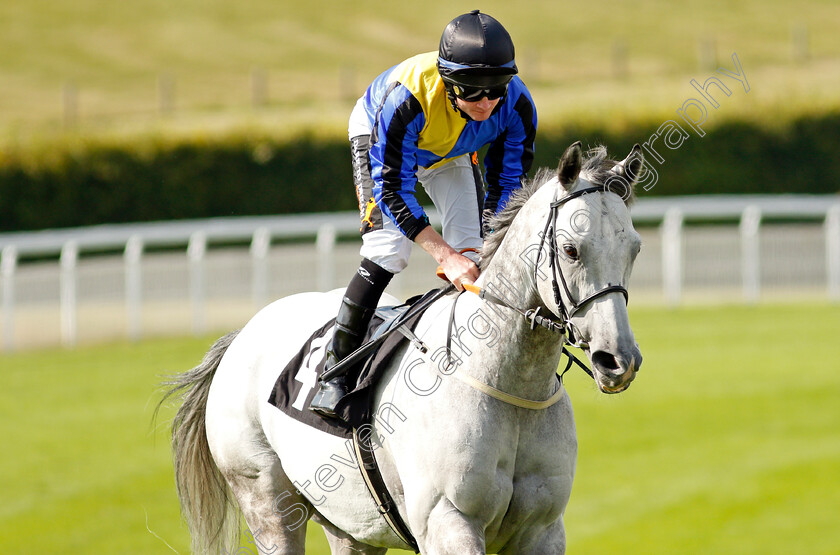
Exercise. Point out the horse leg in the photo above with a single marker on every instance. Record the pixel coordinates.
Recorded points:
(549, 540)
(275, 512)
(342, 543)
(450, 532)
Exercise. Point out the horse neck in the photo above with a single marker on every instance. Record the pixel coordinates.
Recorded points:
(523, 361)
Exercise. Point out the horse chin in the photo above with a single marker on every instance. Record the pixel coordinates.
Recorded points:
(605, 385)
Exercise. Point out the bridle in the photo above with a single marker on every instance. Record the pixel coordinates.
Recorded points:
(549, 237)
(563, 326)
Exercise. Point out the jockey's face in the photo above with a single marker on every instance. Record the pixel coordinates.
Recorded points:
(479, 110)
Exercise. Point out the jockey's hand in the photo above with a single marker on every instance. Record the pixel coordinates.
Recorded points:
(458, 268)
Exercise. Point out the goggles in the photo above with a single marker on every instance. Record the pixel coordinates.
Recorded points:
(474, 94)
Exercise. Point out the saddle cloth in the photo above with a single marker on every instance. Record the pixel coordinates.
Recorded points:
(297, 383)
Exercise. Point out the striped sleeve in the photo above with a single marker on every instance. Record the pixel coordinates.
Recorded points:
(393, 156)
(511, 155)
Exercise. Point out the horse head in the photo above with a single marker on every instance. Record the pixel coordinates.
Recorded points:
(592, 246)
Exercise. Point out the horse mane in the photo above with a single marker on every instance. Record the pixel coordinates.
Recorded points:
(595, 168)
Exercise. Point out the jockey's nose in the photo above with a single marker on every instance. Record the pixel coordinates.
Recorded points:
(485, 103)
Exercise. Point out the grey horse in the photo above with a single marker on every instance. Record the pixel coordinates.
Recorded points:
(475, 437)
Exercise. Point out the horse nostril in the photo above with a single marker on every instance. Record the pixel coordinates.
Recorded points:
(604, 360)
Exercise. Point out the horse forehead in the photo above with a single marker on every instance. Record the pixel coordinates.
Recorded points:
(597, 214)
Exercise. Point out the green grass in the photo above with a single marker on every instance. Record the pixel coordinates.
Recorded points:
(726, 443)
(319, 55)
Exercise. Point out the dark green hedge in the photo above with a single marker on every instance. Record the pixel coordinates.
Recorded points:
(227, 177)
(734, 158)
(233, 176)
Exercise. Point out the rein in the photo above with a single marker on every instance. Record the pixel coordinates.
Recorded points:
(498, 394)
(533, 316)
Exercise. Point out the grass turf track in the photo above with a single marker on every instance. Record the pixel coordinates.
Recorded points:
(728, 442)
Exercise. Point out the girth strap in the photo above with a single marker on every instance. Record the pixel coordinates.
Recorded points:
(379, 491)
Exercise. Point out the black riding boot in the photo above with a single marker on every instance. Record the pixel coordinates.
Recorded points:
(362, 294)
(350, 326)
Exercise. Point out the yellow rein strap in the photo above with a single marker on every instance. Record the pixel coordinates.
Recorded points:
(501, 395)
(507, 397)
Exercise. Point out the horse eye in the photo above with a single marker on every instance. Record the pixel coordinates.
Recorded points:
(570, 251)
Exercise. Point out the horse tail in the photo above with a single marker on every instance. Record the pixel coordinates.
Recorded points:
(207, 503)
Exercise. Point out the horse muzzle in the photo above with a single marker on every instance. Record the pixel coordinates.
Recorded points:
(614, 373)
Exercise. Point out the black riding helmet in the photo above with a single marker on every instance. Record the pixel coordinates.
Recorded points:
(476, 52)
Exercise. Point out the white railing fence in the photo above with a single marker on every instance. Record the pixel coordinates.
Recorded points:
(109, 281)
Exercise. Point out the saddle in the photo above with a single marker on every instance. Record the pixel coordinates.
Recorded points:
(390, 327)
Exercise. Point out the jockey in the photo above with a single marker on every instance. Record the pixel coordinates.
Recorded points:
(423, 121)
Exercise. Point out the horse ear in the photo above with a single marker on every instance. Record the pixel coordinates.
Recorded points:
(631, 167)
(569, 167)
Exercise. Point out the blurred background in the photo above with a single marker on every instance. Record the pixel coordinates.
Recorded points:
(182, 111)
(169, 167)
